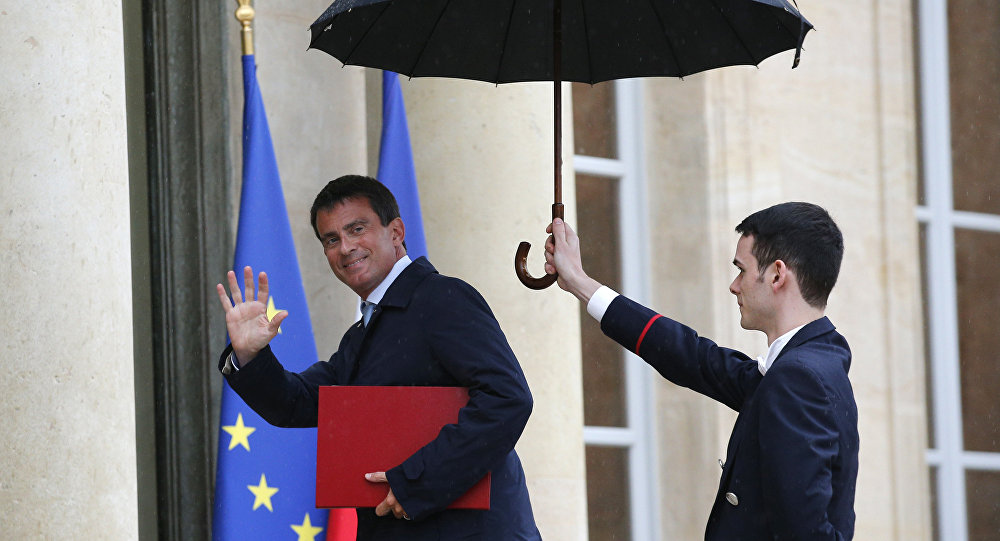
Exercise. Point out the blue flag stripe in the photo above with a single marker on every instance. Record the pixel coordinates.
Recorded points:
(395, 164)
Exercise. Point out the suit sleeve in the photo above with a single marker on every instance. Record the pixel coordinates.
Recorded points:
(471, 347)
(799, 446)
(282, 398)
(680, 355)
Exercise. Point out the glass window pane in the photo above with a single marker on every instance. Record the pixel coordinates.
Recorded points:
(598, 224)
(982, 489)
(928, 374)
(603, 360)
(974, 64)
(607, 493)
(594, 130)
(603, 377)
(977, 255)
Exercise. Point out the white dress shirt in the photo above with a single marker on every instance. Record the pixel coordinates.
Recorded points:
(765, 361)
(376, 295)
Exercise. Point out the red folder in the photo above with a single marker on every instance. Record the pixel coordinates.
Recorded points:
(369, 429)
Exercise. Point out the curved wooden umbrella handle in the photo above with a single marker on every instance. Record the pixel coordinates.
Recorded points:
(521, 260)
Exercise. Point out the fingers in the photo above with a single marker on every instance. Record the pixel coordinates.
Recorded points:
(247, 292)
(562, 231)
(234, 288)
(558, 229)
(227, 305)
(394, 507)
(562, 235)
(383, 508)
(248, 283)
(262, 289)
(389, 504)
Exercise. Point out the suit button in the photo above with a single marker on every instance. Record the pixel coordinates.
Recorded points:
(731, 498)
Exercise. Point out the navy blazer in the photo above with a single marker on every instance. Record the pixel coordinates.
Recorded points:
(792, 461)
(428, 330)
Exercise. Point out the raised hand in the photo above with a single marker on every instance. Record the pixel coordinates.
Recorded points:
(246, 320)
(562, 255)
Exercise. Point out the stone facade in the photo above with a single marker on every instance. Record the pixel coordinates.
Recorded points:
(838, 131)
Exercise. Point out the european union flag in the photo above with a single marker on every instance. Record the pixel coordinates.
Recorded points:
(265, 485)
(395, 164)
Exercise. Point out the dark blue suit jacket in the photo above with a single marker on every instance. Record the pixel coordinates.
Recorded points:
(792, 461)
(429, 330)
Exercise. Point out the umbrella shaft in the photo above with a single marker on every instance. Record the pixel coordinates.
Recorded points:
(557, 102)
(557, 161)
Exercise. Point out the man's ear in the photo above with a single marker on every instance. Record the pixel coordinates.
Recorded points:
(398, 230)
(781, 274)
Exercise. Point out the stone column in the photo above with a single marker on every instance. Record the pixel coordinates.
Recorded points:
(67, 411)
(483, 155)
(691, 429)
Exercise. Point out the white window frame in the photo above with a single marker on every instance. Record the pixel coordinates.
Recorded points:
(638, 436)
(940, 219)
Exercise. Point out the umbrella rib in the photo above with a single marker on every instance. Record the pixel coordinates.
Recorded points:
(790, 33)
(385, 6)
(430, 35)
(666, 38)
(737, 34)
(798, 38)
(586, 41)
(506, 38)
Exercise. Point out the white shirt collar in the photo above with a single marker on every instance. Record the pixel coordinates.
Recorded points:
(764, 362)
(376, 295)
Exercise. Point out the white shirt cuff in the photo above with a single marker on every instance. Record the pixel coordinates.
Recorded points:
(600, 301)
(230, 365)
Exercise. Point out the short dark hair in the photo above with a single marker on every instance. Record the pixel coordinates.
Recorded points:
(347, 187)
(805, 237)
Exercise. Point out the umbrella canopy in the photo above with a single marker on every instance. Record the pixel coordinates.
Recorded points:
(506, 41)
(587, 41)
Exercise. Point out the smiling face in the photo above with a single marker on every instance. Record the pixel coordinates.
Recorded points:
(361, 251)
(752, 288)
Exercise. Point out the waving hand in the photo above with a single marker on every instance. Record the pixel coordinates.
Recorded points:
(246, 319)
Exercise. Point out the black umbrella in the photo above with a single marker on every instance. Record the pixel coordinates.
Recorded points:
(587, 41)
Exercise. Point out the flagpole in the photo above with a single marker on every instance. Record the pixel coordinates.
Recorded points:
(244, 14)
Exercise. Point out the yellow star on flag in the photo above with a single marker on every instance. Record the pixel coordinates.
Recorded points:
(271, 310)
(306, 531)
(239, 433)
(262, 494)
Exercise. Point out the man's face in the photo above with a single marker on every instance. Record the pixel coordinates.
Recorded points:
(361, 251)
(752, 289)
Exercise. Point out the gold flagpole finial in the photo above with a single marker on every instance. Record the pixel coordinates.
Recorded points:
(244, 14)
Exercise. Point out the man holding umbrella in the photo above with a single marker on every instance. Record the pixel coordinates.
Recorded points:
(792, 461)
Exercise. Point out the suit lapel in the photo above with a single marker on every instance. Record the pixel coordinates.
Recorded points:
(352, 349)
(396, 297)
(399, 293)
(812, 330)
